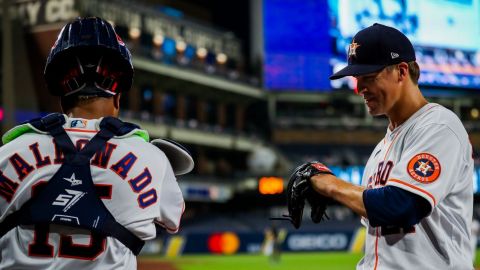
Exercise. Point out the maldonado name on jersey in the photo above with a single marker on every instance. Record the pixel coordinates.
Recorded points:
(139, 183)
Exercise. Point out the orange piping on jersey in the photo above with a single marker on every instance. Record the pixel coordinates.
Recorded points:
(177, 228)
(398, 133)
(166, 227)
(180, 218)
(414, 187)
(183, 210)
(376, 230)
(376, 249)
(400, 182)
(390, 146)
(81, 130)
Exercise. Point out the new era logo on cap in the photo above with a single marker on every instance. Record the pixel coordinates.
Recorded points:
(374, 48)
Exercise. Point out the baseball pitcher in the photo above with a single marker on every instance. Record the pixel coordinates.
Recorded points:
(417, 195)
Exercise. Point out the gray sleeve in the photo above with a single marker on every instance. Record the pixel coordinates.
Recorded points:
(171, 202)
(430, 162)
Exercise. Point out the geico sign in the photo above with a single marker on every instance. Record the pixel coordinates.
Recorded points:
(317, 241)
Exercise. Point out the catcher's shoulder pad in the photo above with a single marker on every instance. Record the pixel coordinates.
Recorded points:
(18, 131)
(128, 130)
(33, 126)
(179, 157)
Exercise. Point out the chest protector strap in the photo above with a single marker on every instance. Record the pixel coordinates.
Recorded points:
(70, 197)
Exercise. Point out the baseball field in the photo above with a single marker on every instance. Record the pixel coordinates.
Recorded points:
(288, 261)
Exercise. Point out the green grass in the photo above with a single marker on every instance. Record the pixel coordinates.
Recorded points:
(288, 261)
(477, 259)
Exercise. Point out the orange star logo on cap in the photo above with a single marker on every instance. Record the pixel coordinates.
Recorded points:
(352, 49)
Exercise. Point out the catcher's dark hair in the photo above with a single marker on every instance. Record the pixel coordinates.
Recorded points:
(70, 102)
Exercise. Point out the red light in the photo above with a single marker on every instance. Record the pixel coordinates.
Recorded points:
(215, 243)
(355, 90)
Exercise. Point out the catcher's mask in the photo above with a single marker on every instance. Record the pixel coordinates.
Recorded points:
(88, 57)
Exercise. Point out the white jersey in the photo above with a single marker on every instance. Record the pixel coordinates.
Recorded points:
(474, 239)
(429, 155)
(135, 181)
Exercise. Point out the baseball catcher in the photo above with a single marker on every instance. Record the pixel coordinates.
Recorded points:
(83, 189)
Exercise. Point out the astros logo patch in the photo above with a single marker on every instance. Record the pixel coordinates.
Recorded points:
(424, 168)
(352, 49)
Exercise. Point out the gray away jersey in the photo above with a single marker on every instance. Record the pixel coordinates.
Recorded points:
(429, 155)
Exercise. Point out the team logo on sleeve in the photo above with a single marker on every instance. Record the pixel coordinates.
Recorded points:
(424, 168)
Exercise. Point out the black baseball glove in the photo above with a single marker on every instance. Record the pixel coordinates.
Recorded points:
(300, 189)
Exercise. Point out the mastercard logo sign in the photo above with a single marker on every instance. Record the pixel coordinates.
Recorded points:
(223, 243)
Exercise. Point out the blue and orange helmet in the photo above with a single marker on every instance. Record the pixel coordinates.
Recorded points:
(88, 58)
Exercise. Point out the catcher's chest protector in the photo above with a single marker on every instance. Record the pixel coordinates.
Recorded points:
(70, 197)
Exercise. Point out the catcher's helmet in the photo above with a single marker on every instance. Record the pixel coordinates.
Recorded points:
(88, 57)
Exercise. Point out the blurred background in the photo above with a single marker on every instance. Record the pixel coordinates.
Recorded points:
(244, 86)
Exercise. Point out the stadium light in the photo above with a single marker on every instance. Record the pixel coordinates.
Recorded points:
(181, 46)
(201, 52)
(222, 58)
(134, 32)
(474, 113)
(158, 39)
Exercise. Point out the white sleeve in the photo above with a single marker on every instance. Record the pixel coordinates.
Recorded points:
(171, 202)
(430, 162)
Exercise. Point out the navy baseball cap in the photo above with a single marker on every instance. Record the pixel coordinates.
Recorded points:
(374, 48)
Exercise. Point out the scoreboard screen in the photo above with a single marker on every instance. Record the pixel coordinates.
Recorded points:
(306, 41)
